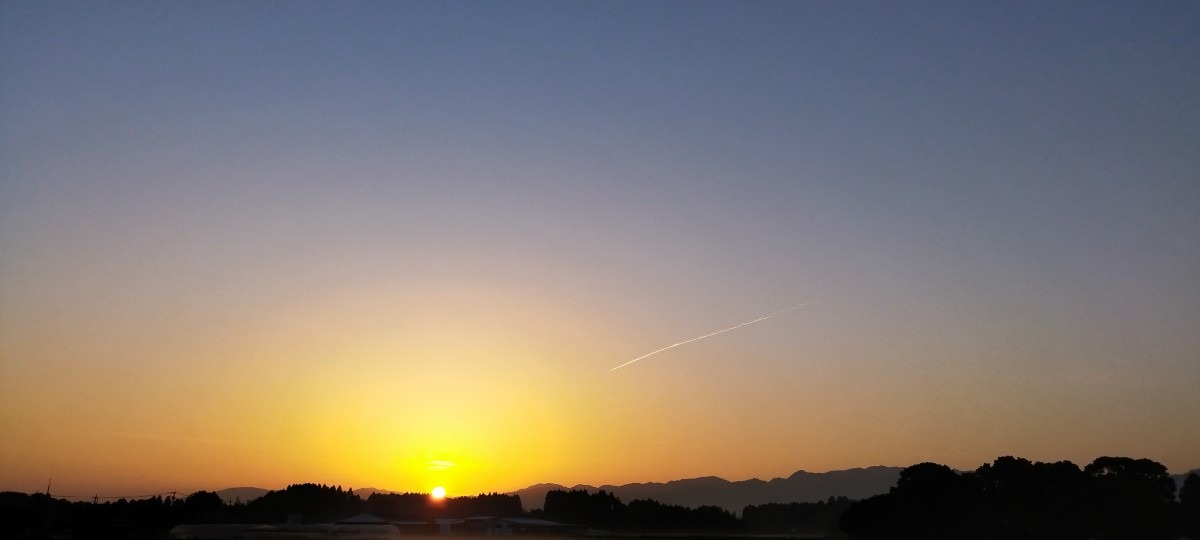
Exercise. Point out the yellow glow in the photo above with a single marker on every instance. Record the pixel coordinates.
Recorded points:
(438, 492)
(362, 391)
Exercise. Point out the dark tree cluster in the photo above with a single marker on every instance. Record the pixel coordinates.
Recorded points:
(314, 503)
(578, 506)
(1113, 498)
(806, 519)
(419, 507)
(651, 515)
(41, 516)
(604, 510)
(399, 506)
(488, 504)
(1189, 506)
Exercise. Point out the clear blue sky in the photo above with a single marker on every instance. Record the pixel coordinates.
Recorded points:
(993, 208)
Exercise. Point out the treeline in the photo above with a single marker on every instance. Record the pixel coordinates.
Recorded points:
(40, 516)
(802, 519)
(315, 503)
(605, 511)
(1113, 498)
(419, 507)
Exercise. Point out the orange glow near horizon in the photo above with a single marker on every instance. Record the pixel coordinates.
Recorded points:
(390, 248)
(493, 413)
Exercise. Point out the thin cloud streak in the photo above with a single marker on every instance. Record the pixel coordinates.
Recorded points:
(709, 335)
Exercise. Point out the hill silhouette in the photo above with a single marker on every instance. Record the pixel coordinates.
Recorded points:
(367, 492)
(241, 494)
(800, 487)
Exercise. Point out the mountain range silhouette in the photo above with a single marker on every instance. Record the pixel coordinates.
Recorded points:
(801, 487)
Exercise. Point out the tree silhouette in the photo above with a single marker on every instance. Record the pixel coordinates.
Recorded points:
(600, 509)
(935, 502)
(1189, 506)
(605, 510)
(815, 519)
(315, 503)
(488, 504)
(1113, 498)
(1032, 500)
(1132, 498)
(399, 506)
(203, 507)
(872, 518)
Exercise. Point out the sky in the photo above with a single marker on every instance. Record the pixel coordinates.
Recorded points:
(403, 244)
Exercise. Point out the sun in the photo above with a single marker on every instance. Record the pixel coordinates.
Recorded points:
(438, 492)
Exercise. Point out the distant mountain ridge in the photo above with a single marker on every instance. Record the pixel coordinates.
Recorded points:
(241, 494)
(367, 492)
(801, 486)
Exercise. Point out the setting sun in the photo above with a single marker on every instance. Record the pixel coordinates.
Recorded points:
(524, 249)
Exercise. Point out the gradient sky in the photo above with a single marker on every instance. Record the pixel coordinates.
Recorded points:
(402, 244)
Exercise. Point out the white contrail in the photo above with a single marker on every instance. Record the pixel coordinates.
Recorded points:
(709, 335)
